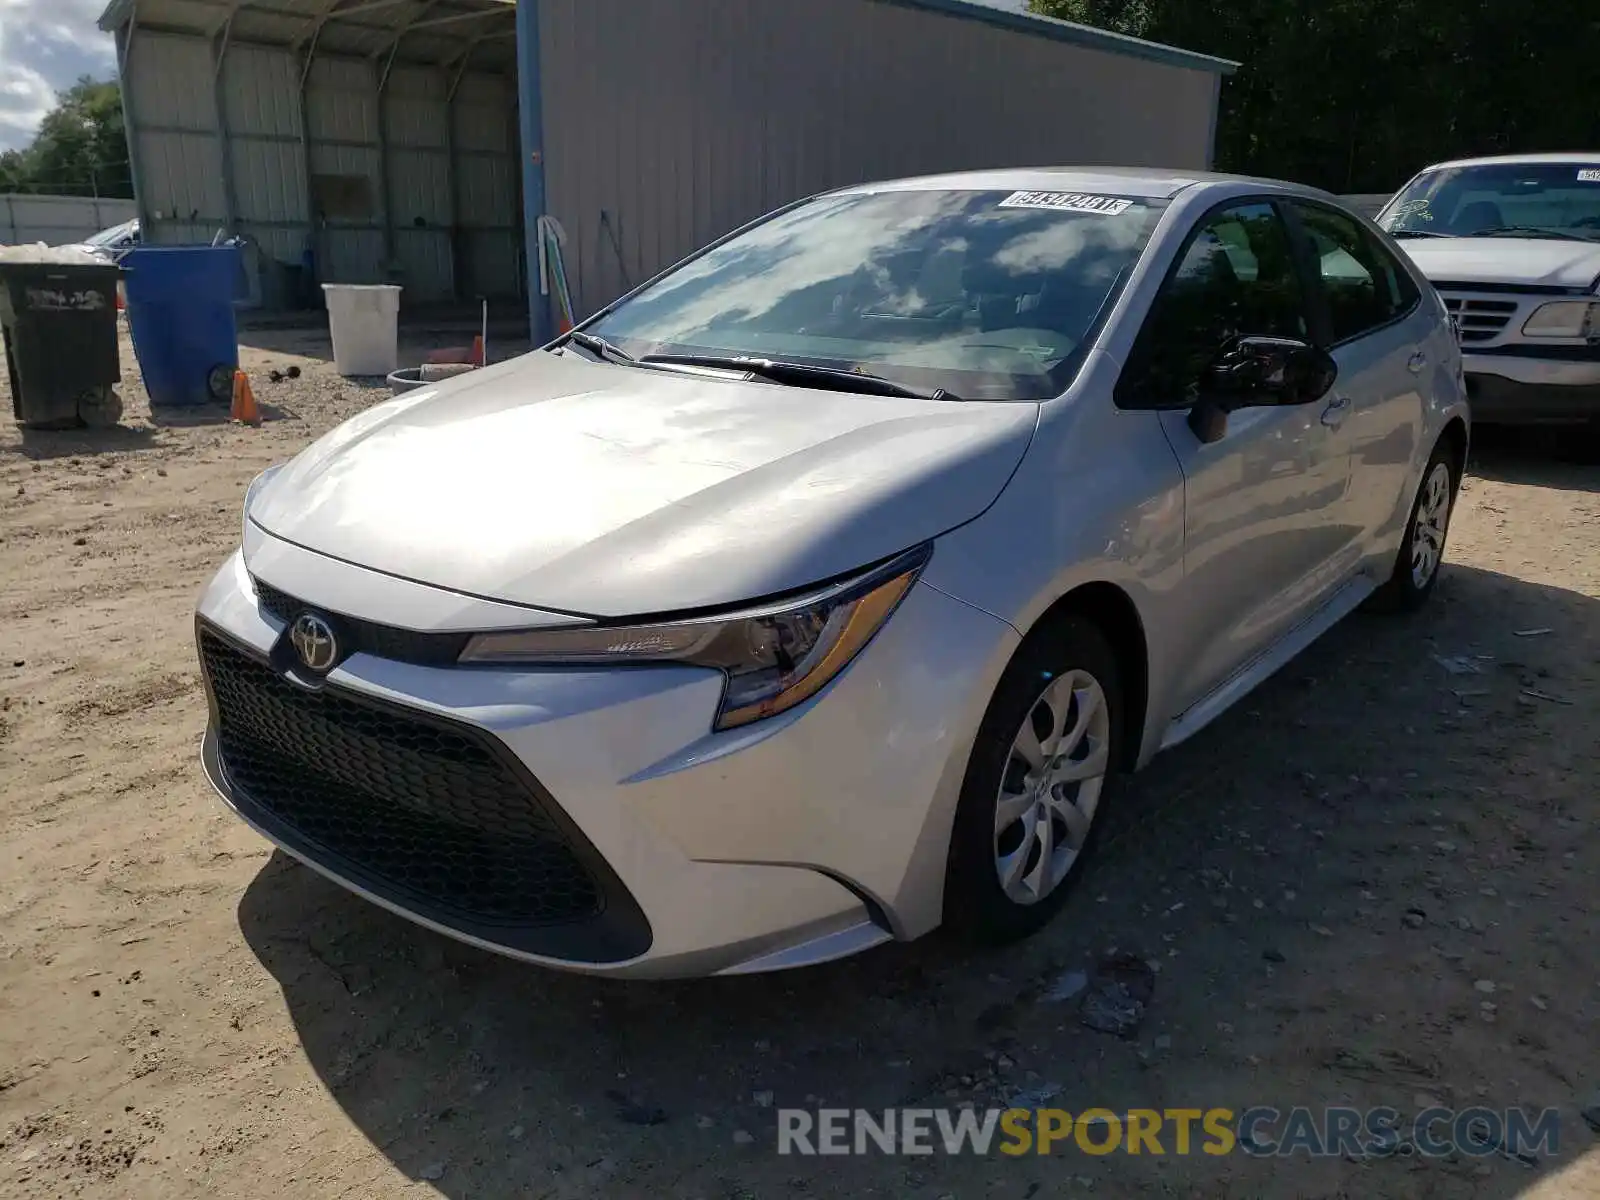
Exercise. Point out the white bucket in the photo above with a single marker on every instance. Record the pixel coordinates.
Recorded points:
(364, 320)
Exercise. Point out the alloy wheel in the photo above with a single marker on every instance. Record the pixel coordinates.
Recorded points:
(1433, 518)
(1050, 787)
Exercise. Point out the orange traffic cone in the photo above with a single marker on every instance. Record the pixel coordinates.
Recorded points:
(244, 400)
(477, 349)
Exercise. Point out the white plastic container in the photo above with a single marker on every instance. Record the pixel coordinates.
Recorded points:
(364, 320)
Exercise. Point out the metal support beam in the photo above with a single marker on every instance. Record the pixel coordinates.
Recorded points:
(399, 36)
(333, 12)
(336, 12)
(123, 38)
(456, 18)
(385, 175)
(294, 139)
(461, 268)
(219, 57)
(385, 171)
(313, 225)
(458, 69)
(531, 132)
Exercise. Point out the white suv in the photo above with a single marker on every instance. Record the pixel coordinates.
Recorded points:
(1513, 245)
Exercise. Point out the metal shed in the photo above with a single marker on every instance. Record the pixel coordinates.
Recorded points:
(377, 136)
(374, 140)
(651, 127)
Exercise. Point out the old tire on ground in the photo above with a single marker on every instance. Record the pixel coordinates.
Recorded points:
(219, 383)
(1042, 772)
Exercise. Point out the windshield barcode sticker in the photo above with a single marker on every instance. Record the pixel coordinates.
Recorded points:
(1083, 202)
(1589, 174)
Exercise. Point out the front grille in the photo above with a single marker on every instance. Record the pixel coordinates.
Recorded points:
(1479, 318)
(423, 810)
(368, 637)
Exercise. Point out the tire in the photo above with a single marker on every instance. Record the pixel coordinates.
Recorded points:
(219, 383)
(1412, 581)
(1068, 657)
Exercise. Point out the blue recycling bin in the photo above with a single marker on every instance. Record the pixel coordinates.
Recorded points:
(180, 313)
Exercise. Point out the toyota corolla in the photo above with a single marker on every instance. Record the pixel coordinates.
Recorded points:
(820, 591)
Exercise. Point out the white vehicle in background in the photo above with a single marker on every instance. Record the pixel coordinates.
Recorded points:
(1513, 246)
(112, 243)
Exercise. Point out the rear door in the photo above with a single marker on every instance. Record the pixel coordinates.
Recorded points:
(1381, 335)
(1265, 507)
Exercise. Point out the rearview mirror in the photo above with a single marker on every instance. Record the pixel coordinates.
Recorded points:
(1253, 372)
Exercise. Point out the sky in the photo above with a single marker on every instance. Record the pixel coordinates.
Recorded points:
(44, 46)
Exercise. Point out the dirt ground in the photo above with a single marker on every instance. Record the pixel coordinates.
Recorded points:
(184, 1012)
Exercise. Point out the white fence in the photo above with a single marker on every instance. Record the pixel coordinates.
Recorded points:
(57, 220)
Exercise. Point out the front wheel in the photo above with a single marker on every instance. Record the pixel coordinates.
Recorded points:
(1037, 785)
(1416, 566)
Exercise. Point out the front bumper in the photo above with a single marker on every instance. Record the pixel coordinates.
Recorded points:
(1507, 389)
(674, 851)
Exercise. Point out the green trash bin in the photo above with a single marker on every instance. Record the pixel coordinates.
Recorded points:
(60, 327)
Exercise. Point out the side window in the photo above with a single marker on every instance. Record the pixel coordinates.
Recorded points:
(1364, 285)
(1235, 277)
(1395, 278)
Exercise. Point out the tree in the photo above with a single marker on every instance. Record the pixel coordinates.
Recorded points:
(80, 149)
(1132, 17)
(1357, 95)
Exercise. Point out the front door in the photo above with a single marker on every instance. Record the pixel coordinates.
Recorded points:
(1267, 518)
(1383, 338)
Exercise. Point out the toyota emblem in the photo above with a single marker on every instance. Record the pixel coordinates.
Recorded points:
(313, 641)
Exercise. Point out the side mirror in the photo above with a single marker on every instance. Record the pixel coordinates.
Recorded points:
(1253, 372)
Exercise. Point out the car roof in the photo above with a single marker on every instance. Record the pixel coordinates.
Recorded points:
(1152, 183)
(1519, 159)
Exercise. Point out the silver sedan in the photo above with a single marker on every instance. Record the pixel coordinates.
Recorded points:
(821, 590)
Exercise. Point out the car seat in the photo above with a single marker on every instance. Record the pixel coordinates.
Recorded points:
(1477, 217)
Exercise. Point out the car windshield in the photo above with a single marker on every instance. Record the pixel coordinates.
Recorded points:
(1556, 200)
(989, 295)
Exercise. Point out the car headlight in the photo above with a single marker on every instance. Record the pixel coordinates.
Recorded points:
(773, 658)
(252, 491)
(1565, 318)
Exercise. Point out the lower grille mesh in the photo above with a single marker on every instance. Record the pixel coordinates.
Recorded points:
(425, 807)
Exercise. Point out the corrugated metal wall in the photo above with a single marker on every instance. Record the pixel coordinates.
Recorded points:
(669, 122)
(455, 210)
(57, 220)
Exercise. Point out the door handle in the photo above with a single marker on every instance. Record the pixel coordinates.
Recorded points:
(1336, 410)
(1417, 362)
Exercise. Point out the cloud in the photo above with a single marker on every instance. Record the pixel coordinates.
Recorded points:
(44, 46)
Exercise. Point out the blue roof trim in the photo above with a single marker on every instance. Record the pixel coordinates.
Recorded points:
(1077, 35)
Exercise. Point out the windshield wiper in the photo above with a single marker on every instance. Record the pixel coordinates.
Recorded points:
(1410, 233)
(800, 374)
(600, 346)
(1535, 230)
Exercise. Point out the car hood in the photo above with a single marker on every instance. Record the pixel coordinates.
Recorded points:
(1506, 260)
(559, 483)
